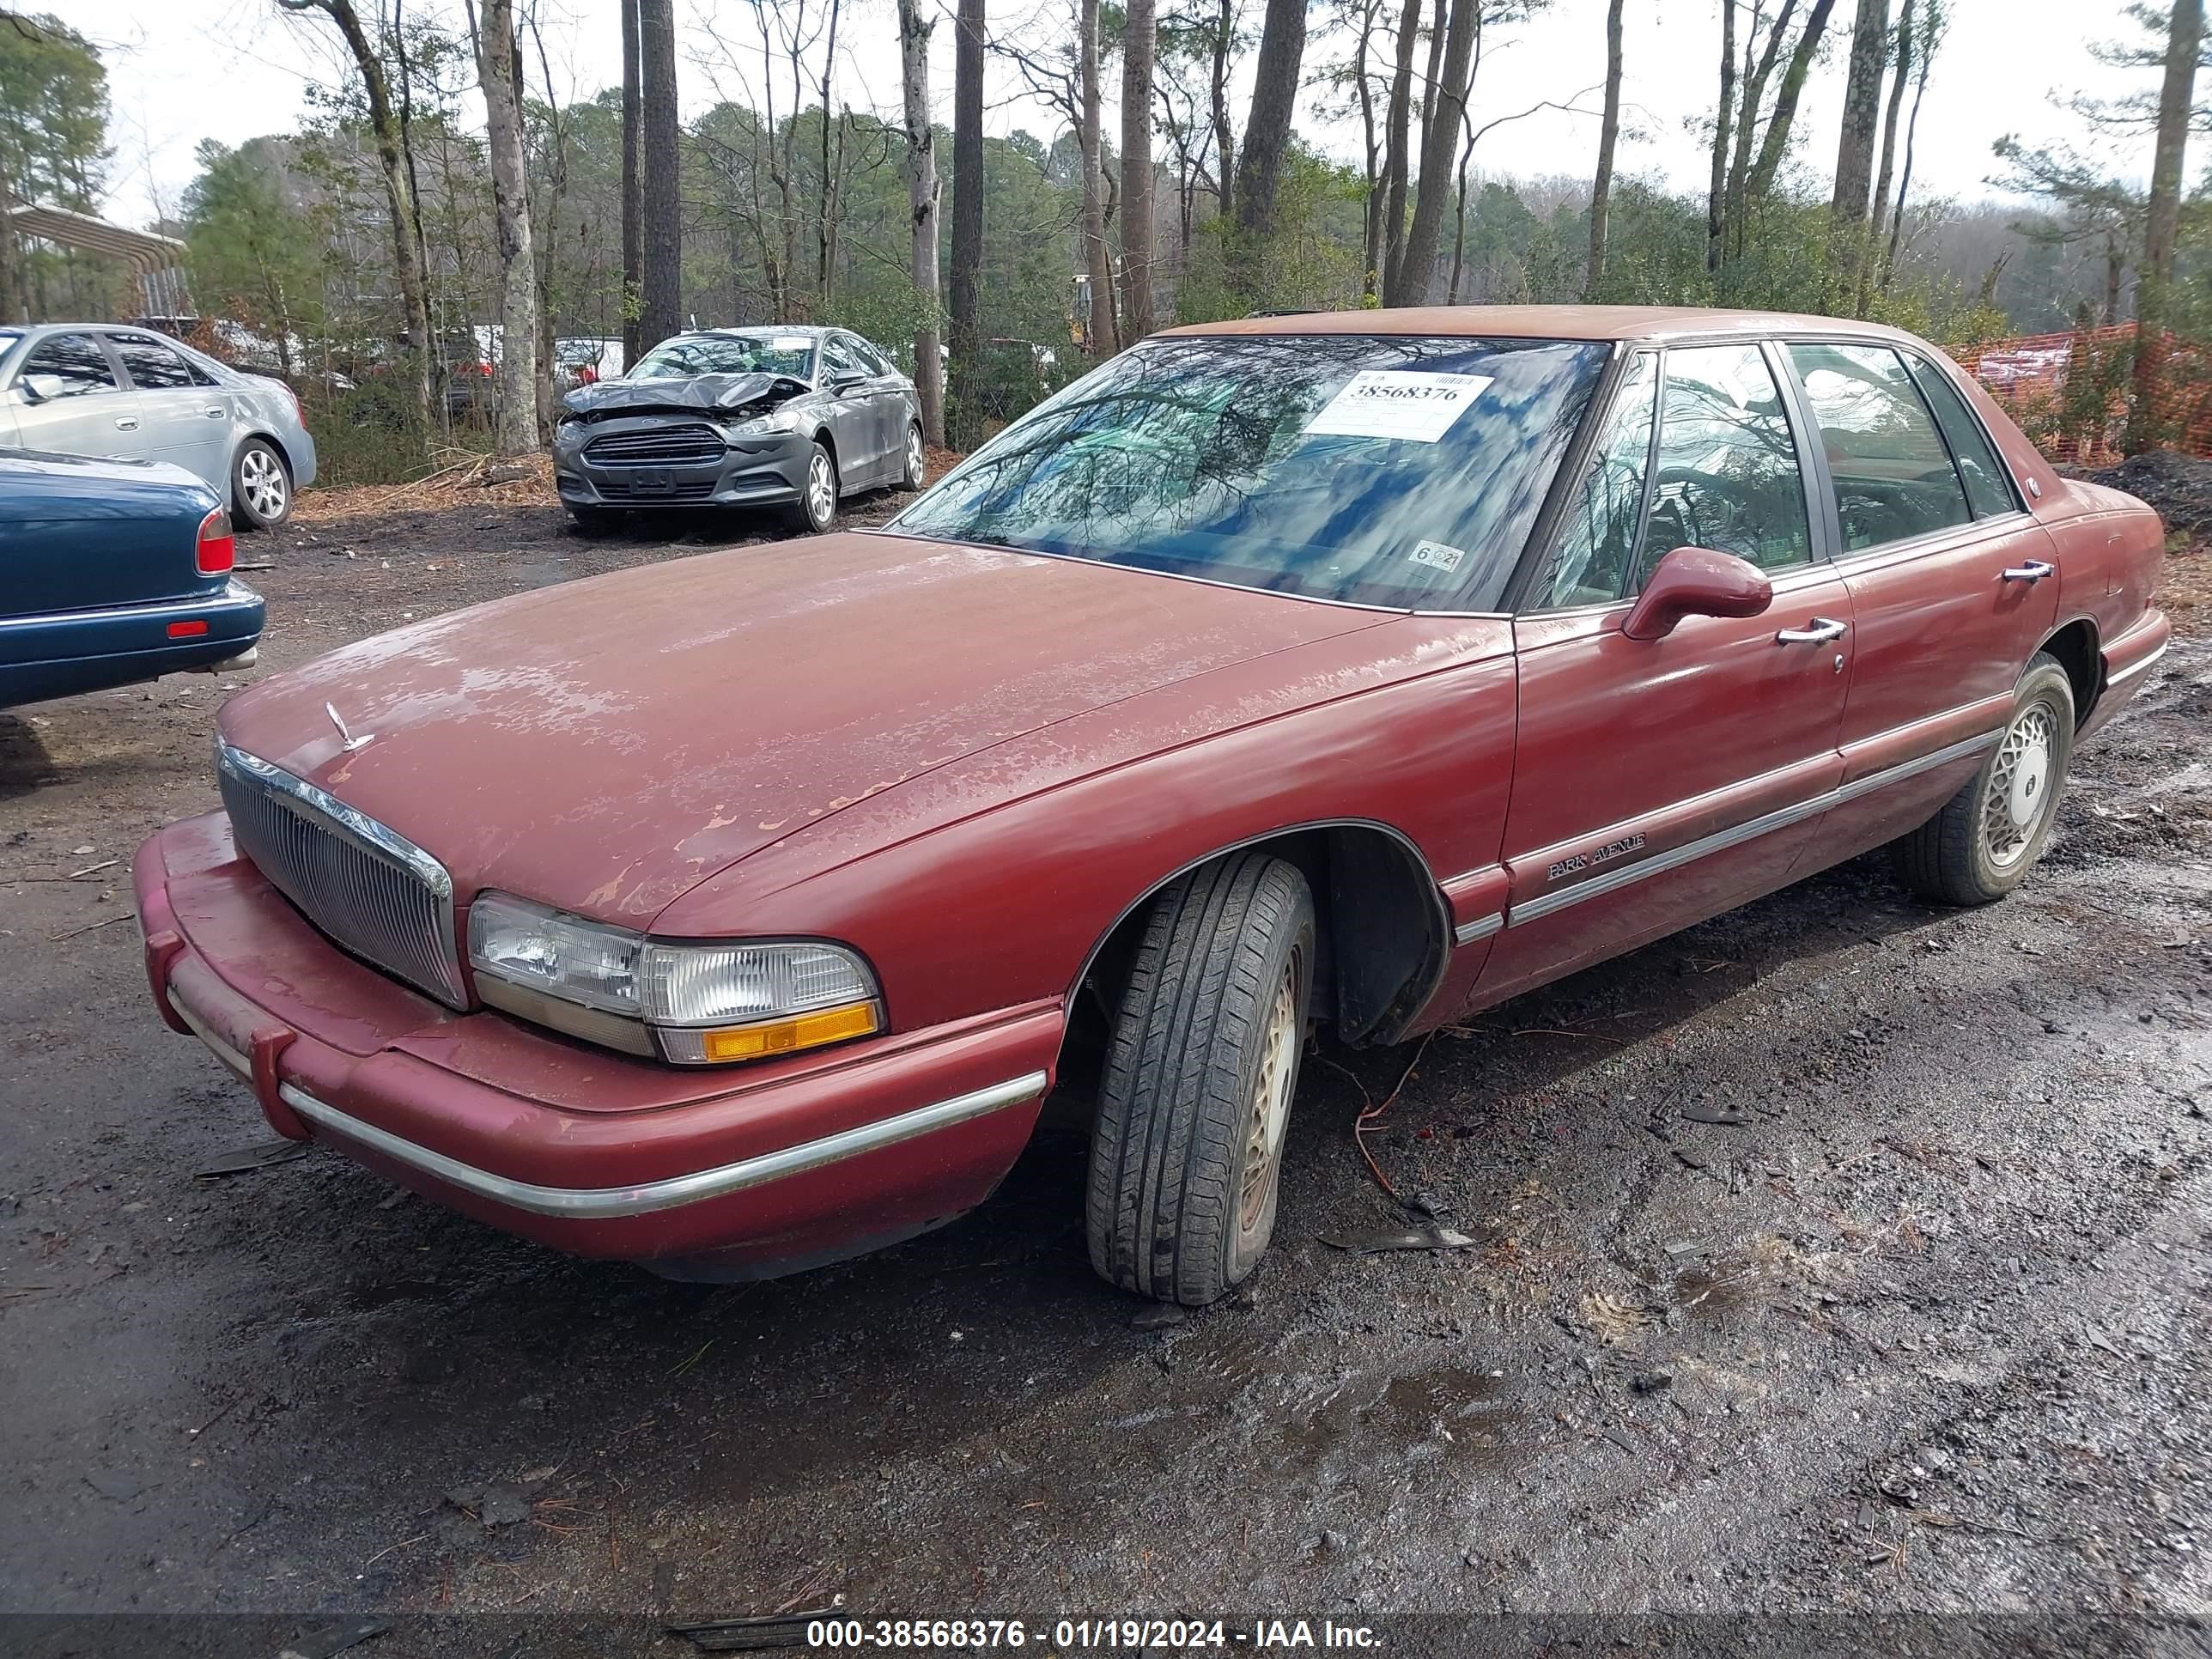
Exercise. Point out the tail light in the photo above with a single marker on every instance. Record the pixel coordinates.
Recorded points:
(218, 548)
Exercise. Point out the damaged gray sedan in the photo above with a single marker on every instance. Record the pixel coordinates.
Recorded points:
(793, 418)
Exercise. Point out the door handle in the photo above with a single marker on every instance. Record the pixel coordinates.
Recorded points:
(127, 422)
(2032, 572)
(215, 411)
(1820, 632)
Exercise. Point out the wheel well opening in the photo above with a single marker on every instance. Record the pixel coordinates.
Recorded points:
(2075, 647)
(828, 443)
(1384, 936)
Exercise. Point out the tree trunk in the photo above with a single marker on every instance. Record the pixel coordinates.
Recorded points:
(1224, 139)
(1370, 244)
(1847, 207)
(1724, 133)
(398, 197)
(1418, 272)
(922, 202)
(1138, 42)
(1879, 217)
(1785, 105)
(1267, 129)
(2162, 218)
(967, 430)
(826, 218)
(660, 309)
(632, 257)
(1608, 135)
(1911, 132)
(515, 429)
(1396, 143)
(1101, 342)
(1751, 96)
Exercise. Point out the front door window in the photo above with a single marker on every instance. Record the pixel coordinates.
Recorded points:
(1726, 476)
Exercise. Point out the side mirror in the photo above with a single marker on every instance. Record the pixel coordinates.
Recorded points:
(846, 382)
(1696, 581)
(40, 388)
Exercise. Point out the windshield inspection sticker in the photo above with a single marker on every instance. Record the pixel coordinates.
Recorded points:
(1436, 554)
(1405, 404)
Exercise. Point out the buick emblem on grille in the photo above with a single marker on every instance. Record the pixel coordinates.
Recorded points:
(347, 741)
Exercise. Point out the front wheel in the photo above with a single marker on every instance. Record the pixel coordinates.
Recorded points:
(260, 484)
(1186, 1157)
(1979, 846)
(816, 510)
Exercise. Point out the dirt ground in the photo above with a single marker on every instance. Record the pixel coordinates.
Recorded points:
(1841, 1255)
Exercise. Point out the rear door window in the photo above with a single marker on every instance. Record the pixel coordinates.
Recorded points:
(75, 361)
(1893, 477)
(152, 366)
(1988, 481)
(1726, 476)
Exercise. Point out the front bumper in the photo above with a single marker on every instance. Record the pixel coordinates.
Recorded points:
(767, 470)
(756, 1171)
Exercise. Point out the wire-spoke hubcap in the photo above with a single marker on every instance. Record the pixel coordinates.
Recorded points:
(821, 489)
(263, 482)
(2019, 798)
(1270, 1108)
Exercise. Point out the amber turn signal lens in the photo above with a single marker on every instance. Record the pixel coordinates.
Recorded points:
(785, 1036)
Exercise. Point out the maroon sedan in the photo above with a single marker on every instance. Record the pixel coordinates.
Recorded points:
(735, 914)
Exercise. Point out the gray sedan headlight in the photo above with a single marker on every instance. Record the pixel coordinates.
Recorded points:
(703, 1003)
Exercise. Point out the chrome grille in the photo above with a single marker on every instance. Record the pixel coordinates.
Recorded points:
(690, 445)
(373, 892)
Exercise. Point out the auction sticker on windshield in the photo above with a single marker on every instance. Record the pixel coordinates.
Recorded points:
(1405, 404)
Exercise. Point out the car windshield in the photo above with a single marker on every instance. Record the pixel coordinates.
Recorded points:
(1373, 470)
(764, 353)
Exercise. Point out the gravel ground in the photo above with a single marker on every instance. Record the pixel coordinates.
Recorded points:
(1841, 1255)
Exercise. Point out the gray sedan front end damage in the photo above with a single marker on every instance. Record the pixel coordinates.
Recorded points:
(715, 440)
(789, 417)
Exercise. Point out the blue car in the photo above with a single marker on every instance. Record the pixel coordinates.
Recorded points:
(112, 572)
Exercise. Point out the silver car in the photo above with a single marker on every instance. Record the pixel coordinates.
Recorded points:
(122, 393)
(793, 417)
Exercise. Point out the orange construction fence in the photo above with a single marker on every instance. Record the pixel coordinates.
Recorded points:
(2073, 393)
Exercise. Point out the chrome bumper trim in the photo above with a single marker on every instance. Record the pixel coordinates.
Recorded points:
(1735, 835)
(222, 1050)
(601, 1203)
(2136, 668)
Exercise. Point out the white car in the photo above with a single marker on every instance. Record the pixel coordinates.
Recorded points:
(118, 392)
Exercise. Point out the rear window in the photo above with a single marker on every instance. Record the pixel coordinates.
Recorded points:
(765, 353)
(1373, 470)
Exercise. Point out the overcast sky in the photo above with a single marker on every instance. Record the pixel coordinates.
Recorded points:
(183, 70)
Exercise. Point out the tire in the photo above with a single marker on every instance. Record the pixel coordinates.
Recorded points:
(1186, 1157)
(595, 520)
(1978, 848)
(816, 510)
(260, 484)
(917, 461)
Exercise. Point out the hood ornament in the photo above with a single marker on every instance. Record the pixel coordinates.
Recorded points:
(347, 741)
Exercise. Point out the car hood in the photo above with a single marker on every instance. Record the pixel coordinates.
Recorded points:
(606, 745)
(712, 394)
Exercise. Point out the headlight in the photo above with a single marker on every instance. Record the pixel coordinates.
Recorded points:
(702, 1004)
(785, 419)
